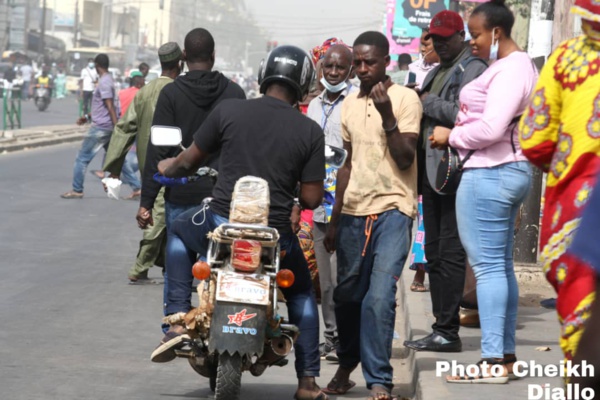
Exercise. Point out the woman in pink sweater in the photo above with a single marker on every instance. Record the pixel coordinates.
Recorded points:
(495, 180)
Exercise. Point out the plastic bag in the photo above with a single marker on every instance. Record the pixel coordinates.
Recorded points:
(250, 201)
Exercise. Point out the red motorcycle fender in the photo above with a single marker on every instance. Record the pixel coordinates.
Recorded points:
(238, 328)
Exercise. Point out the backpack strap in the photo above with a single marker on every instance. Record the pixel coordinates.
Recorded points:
(457, 76)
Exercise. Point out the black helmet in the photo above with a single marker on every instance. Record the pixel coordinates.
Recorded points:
(288, 64)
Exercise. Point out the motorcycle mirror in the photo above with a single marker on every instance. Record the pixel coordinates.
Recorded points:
(165, 135)
(335, 156)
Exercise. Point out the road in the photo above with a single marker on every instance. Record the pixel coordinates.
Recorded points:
(72, 326)
(60, 111)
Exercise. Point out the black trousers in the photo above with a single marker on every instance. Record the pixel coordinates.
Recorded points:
(446, 260)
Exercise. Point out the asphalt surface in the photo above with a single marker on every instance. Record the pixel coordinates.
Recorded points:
(72, 326)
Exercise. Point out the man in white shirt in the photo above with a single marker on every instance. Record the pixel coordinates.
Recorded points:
(26, 73)
(88, 80)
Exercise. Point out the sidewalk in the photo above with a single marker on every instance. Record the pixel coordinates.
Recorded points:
(22, 139)
(536, 327)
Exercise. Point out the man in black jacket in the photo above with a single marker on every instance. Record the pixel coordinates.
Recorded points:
(445, 255)
(185, 103)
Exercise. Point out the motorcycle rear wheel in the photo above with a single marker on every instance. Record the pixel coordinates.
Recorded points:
(229, 377)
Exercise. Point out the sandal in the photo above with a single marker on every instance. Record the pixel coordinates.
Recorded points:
(418, 287)
(481, 378)
(337, 388)
(165, 351)
(72, 195)
(509, 363)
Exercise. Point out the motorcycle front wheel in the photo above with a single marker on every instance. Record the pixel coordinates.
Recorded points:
(229, 377)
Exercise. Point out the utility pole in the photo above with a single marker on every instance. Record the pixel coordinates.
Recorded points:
(539, 48)
(563, 22)
(43, 32)
(76, 24)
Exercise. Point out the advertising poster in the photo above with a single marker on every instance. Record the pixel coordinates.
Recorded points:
(405, 21)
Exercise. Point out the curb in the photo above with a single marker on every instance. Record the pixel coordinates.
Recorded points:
(24, 139)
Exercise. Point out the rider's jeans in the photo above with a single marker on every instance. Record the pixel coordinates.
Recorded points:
(172, 211)
(95, 139)
(189, 231)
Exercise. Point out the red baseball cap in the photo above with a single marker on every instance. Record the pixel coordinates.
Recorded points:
(445, 23)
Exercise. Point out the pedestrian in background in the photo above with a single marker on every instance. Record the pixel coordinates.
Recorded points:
(560, 133)
(131, 165)
(428, 60)
(495, 179)
(417, 72)
(103, 118)
(87, 84)
(26, 75)
(326, 110)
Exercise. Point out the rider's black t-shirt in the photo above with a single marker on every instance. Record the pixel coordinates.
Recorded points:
(267, 138)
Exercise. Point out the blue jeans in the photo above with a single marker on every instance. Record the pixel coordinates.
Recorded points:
(365, 295)
(487, 203)
(129, 171)
(188, 237)
(172, 211)
(92, 143)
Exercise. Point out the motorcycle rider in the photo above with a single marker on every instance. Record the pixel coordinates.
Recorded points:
(46, 81)
(265, 137)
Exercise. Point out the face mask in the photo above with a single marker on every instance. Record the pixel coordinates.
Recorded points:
(335, 88)
(494, 47)
(91, 65)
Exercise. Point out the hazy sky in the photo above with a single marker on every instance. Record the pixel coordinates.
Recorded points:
(307, 23)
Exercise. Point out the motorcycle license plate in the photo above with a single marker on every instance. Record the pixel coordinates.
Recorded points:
(242, 288)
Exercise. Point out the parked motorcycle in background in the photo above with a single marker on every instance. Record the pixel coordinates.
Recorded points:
(41, 96)
(236, 326)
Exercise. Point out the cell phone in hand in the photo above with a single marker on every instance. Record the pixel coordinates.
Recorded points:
(412, 77)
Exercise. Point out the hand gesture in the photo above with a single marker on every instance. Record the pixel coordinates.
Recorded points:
(382, 102)
(144, 218)
(81, 120)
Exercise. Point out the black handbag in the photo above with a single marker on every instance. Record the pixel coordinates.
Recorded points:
(449, 171)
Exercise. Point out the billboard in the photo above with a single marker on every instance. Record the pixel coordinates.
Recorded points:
(405, 21)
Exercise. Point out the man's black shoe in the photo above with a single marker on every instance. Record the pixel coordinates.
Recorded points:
(435, 342)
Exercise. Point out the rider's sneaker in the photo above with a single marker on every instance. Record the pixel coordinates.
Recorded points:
(165, 351)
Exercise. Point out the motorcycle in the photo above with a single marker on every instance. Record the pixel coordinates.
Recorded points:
(236, 326)
(41, 97)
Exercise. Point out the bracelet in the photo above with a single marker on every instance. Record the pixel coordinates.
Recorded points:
(393, 128)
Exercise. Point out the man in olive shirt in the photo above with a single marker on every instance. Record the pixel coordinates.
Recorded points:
(135, 126)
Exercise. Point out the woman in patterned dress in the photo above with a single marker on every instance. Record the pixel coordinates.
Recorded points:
(560, 133)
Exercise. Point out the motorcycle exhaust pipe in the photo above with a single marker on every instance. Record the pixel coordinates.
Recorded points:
(282, 345)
